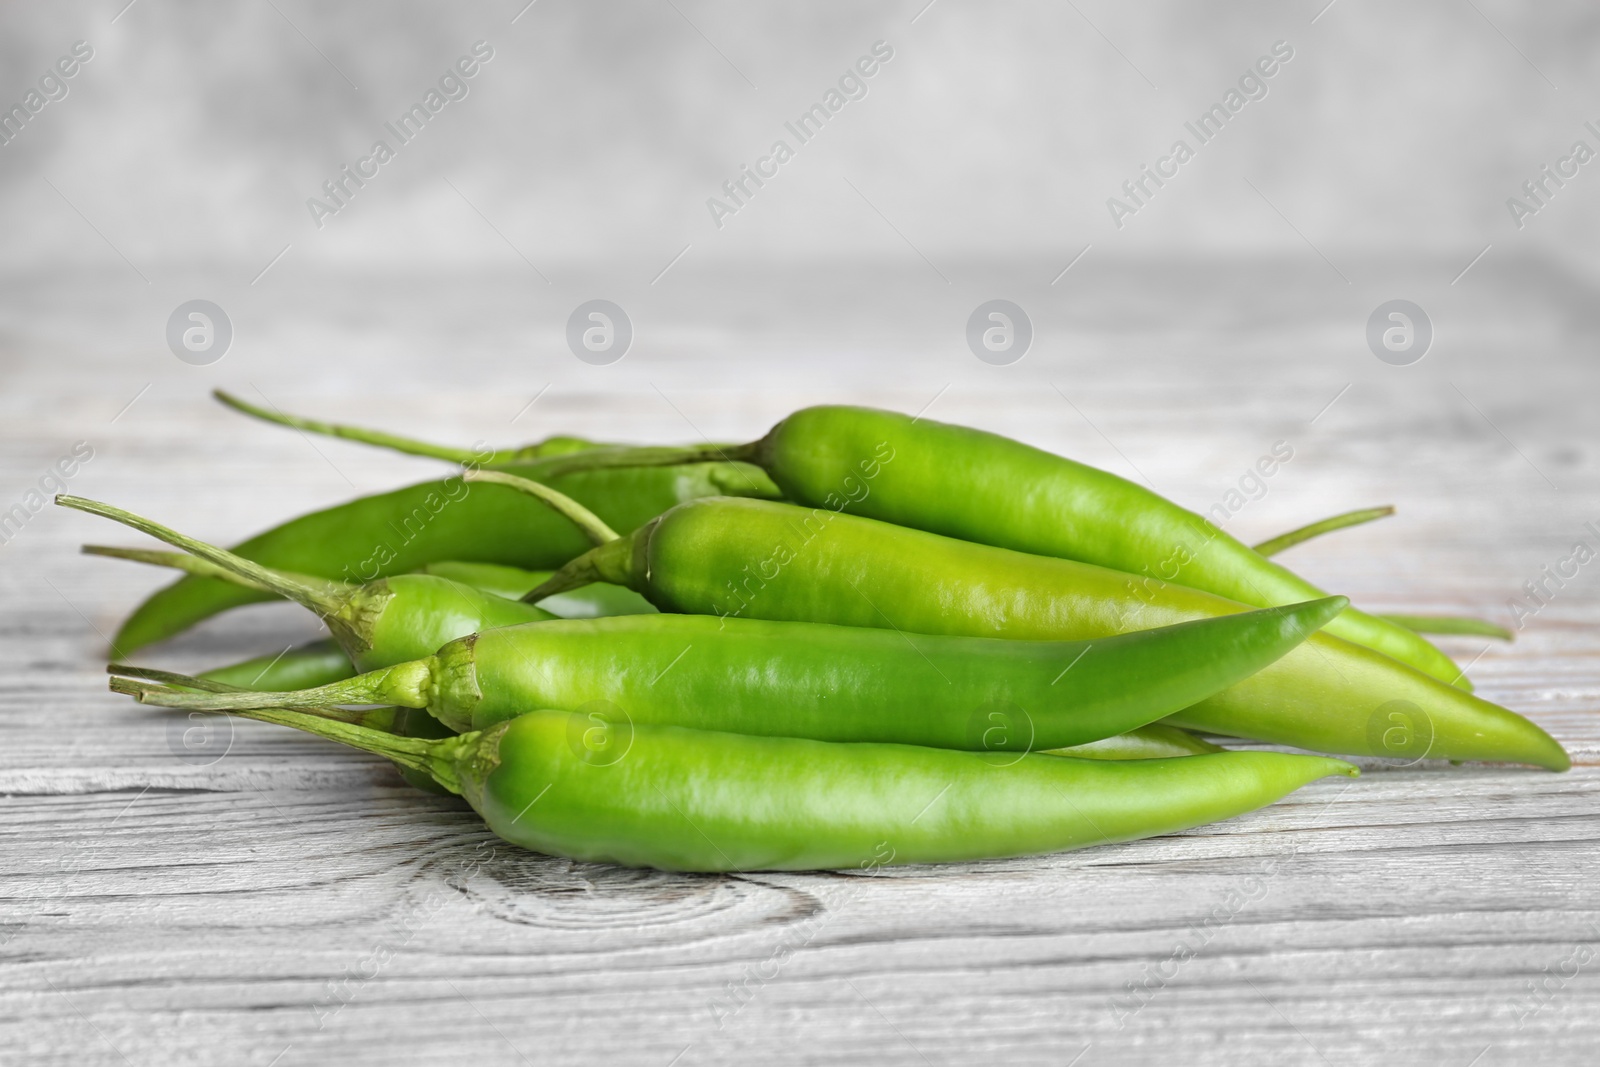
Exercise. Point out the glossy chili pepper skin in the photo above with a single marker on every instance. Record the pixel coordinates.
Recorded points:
(323, 662)
(399, 531)
(759, 559)
(831, 683)
(983, 487)
(679, 799)
(410, 616)
(692, 800)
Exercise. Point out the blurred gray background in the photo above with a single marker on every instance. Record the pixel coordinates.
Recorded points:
(597, 131)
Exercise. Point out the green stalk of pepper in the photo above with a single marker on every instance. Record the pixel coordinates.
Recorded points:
(694, 800)
(557, 445)
(1459, 625)
(411, 722)
(986, 488)
(1284, 541)
(764, 559)
(1422, 624)
(831, 683)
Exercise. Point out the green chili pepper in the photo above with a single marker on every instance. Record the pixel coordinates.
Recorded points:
(831, 683)
(378, 624)
(392, 533)
(695, 800)
(511, 583)
(763, 559)
(982, 487)
(323, 662)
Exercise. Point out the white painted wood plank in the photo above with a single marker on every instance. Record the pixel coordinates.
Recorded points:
(153, 911)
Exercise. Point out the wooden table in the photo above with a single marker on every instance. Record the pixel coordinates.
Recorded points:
(292, 903)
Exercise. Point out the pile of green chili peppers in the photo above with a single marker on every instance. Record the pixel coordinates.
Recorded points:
(863, 639)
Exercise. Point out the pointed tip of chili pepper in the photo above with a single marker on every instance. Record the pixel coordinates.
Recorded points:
(1312, 615)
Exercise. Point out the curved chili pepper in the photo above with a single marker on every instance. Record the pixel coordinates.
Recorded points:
(695, 800)
(832, 683)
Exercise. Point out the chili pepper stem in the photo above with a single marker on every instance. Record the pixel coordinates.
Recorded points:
(176, 560)
(592, 526)
(338, 603)
(652, 456)
(436, 759)
(151, 674)
(611, 562)
(406, 684)
(1273, 546)
(137, 679)
(1451, 624)
(409, 446)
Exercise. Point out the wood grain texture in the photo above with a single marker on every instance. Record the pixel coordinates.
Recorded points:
(292, 903)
